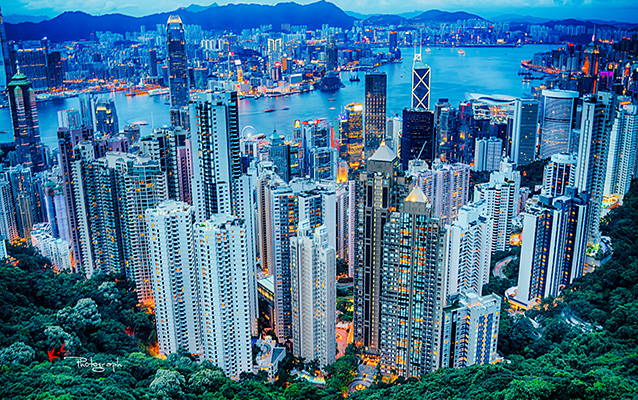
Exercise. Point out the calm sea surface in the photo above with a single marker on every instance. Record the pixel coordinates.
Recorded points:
(480, 70)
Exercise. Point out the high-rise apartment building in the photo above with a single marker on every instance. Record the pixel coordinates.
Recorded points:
(593, 150)
(446, 186)
(487, 154)
(313, 265)
(413, 289)
(501, 194)
(24, 199)
(418, 140)
(174, 275)
(24, 118)
(557, 121)
(470, 331)
(68, 139)
(225, 314)
(351, 135)
(177, 70)
(380, 190)
(69, 119)
(558, 174)
(375, 110)
(171, 147)
(621, 158)
(216, 154)
(8, 223)
(469, 250)
(554, 243)
(420, 84)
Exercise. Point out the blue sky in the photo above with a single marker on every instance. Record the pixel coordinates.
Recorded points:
(620, 10)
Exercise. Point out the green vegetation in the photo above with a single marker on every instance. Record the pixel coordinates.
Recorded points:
(583, 345)
(532, 174)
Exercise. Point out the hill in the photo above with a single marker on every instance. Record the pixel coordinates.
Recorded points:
(444, 16)
(75, 25)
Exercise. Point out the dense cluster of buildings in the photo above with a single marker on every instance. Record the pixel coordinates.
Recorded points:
(220, 231)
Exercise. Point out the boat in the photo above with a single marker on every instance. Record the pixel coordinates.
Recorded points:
(269, 110)
(332, 99)
(158, 91)
(428, 51)
(355, 78)
(461, 52)
(330, 82)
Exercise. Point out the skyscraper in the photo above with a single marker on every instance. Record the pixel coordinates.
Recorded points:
(524, 125)
(380, 190)
(24, 117)
(177, 69)
(175, 274)
(596, 125)
(86, 110)
(375, 110)
(106, 121)
(621, 160)
(559, 173)
(469, 250)
(8, 223)
(5, 61)
(279, 155)
(224, 293)
(413, 289)
(554, 243)
(557, 121)
(351, 135)
(470, 331)
(33, 63)
(418, 140)
(216, 156)
(69, 119)
(23, 193)
(67, 140)
(313, 264)
(420, 84)
(152, 62)
(446, 186)
(502, 203)
(487, 154)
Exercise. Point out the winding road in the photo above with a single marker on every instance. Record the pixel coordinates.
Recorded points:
(498, 268)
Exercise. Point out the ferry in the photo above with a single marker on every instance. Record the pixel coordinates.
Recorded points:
(428, 51)
(269, 110)
(461, 52)
(158, 92)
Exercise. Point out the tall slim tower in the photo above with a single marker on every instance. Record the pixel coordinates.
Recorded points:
(175, 276)
(177, 70)
(559, 173)
(596, 124)
(621, 160)
(223, 289)
(420, 84)
(351, 135)
(375, 109)
(313, 264)
(5, 62)
(524, 125)
(106, 120)
(413, 289)
(380, 190)
(216, 154)
(418, 140)
(24, 117)
(557, 121)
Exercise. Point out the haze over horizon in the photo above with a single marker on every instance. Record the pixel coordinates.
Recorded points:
(613, 10)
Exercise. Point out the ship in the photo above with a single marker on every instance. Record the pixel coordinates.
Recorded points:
(269, 110)
(428, 51)
(331, 82)
(461, 52)
(158, 92)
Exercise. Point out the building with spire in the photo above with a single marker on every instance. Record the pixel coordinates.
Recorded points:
(380, 191)
(24, 117)
(413, 289)
(420, 83)
(178, 71)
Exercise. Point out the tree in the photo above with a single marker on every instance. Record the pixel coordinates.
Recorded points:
(17, 353)
(167, 383)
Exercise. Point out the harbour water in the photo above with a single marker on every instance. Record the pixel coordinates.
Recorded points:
(480, 70)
